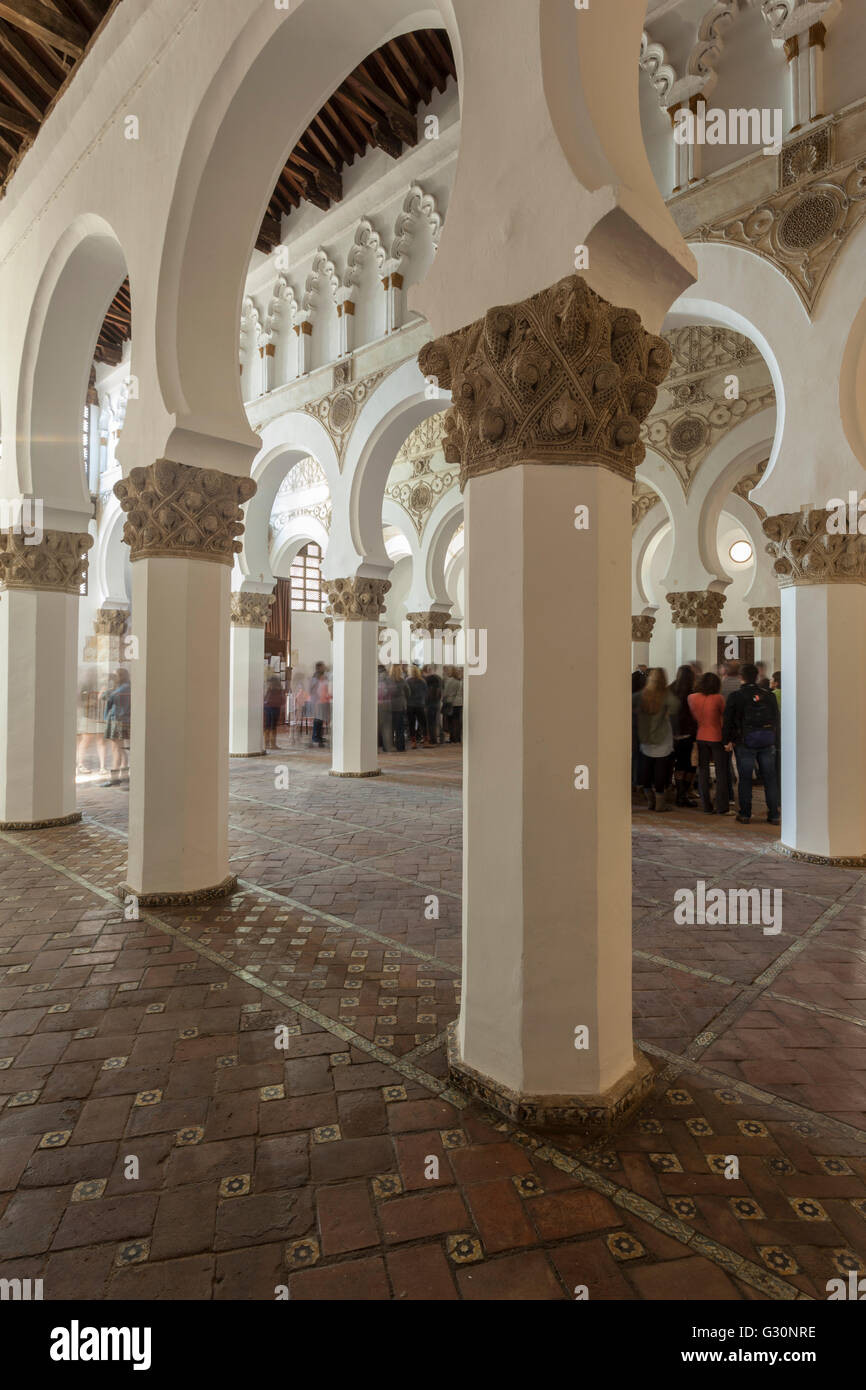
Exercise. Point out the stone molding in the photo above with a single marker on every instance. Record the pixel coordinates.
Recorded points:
(696, 607)
(562, 377)
(843, 861)
(186, 898)
(805, 552)
(251, 610)
(429, 621)
(51, 824)
(175, 510)
(642, 625)
(356, 600)
(110, 622)
(766, 621)
(376, 772)
(57, 563)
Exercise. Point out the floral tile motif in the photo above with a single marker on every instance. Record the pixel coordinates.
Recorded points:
(779, 1260)
(783, 1167)
(607, 1161)
(718, 1163)
(59, 1009)
(464, 1249)
(845, 1261)
(133, 1252)
(251, 1008)
(386, 1185)
(215, 989)
(666, 1163)
(835, 1167)
(193, 1134)
(699, 1127)
(753, 1129)
(678, 1097)
(746, 1209)
(55, 1139)
(624, 1246)
(229, 1060)
(394, 1093)
(859, 1205)
(327, 1134)
(237, 1186)
(386, 1020)
(650, 1127)
(114, 1063)
(90, 1190)
(272, 1092)
(6, 1062)
(148, 1098)
(155, 1009)
(805, 1128)
(683, 1207)
(453, 1138)
(384, 1040)
(808, 1209)
(302, 1253)
(528, 1185)
(84, 1033)
(186, 1034)
(340, 1059)
(25, 1098)
(728, 1097)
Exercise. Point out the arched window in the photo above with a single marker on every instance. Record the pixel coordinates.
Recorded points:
(305, 578)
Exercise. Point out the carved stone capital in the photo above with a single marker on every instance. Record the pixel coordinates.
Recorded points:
(251, 610)
(428, 621)
(766, 622)
(174, 509)
(696, 607)
(329, 624)
(642, 625)
(356, 600)
(561, 377)
(57, 562)
(110, 622)
(805, 552)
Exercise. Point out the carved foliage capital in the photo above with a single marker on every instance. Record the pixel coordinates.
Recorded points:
(766, 621)
(58, 561)
(428, 621)
(110, 622)
(174, 509)
(696, 607)
(561, 377)
(642, 625)
(356, 600)
(805, 552)
(251, 610)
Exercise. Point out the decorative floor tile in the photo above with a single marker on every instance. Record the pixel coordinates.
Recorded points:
(464, 1250)
(193, 1134)
(302, 1253)
(89, 1191)
(779, 1260)
(624, 1246)
(386, 1185)
(148, 1098)
(808, 1209)
(238, 1186)
(272, 1092)
(55, 1139)
(134, 1252)
(326, 1134)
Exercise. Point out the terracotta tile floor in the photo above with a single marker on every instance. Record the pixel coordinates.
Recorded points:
(157, 1142)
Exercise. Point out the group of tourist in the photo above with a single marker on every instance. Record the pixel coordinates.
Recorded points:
(103, 725)
(418, 707)
(704, 719)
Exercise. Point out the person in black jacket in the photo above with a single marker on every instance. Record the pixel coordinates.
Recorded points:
(751, 729)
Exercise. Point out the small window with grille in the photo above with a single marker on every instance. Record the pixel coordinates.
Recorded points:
(305, 578)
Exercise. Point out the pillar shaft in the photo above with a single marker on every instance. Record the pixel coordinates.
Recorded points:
(355, 606)
(181, 531)
(39, 676)
(696, 614)
(545, 1023)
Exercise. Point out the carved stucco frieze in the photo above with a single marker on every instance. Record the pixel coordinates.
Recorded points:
(696, 607)
(174, 509)
(356, 600)
(642, 625)
(251, 610)
(643, 499)
(766, 621)
(801, 228)
(805, 552)
(58, 562)
(748, 483)
(339, 410)
(562, 377)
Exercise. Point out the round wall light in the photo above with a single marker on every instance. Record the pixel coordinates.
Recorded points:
(741, 552)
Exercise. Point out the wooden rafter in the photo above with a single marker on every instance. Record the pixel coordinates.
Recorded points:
(47, 25)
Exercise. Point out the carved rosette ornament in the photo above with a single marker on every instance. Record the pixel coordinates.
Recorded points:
(429, 621)
(805, 552)
(356, 600)
(174, 509)
(58, 562)
(251, 610)
(766, 622)
(642, 625)
(561, 377)
(696, 608)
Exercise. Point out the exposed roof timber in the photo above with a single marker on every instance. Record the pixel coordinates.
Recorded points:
(375, 107)
(116, 328)
(46, 24)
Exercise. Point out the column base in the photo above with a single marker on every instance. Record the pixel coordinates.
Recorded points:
(187, 898)
(262, 754)
(840, 861)
(41, 824)
(377, 772)
(592, 1115)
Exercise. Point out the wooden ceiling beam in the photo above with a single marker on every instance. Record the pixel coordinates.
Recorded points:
(13, 119)
(27, 60)
(7, 81)
(446, 61)
(401, 121)
(343, 127)
(47, 25)
(426, 66)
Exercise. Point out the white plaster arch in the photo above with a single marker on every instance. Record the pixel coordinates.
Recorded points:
(110, 557)
(443, 522)
(737, 454)
(80, 278)
(764, 589)
(394, 515)
(292, 538)
(644, 534)
(284, 442)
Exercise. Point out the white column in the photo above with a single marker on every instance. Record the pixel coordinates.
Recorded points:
(355, 606)
(304, 331)
(249, 614)
(39, 677)
(696, 615)
(178, 804)
(545, 1030)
